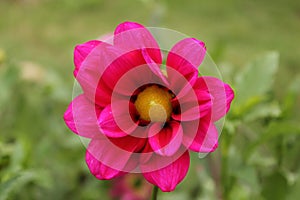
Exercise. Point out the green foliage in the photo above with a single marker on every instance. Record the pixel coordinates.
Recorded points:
(259, 147)
(254, 81)
(14, 183)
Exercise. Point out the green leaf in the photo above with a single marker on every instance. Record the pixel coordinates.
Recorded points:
(275, 186)
(255, 80)
(264, 110)
(13, 183)
(294, 192)
(275, 129)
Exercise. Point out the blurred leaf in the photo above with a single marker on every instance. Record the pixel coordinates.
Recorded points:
(13, 183)
(290, 100)
(255, 80)
(262, 161)
(249, 176)
(294, 192)
(275, 129)
(275, 187)
(264, 110)
(240, 192)
(8, 77)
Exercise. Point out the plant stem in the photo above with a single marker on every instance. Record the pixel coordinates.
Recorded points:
(154, 193)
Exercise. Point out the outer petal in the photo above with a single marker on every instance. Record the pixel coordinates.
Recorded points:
(82, 117)
(222, 95)
(189, 50)
(204, 139)
(116, 153)
(185, 57)
(99, 170)
(92, 69)
(167, 178)
(167, 140)
(81, 52)
(117, 123)
(132, 36)
(119, 68)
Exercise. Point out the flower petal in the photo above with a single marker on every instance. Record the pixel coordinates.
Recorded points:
(185, 57)
(130, 143)
(194, 103)
(167, 178)
(81, 52)
(99, 170)
(119, 69)
(116, 122)
(200, 136)
(116, 153)
(165, 140)
(132, 36)
(92, 69)
(188, 112)
(154, 66)
(134, 79)
(190, 51)
(222, 95)
(81, 117)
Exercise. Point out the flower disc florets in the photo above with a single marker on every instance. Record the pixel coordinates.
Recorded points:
(154, 104)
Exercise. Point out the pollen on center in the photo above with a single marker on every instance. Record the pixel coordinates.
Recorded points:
(154, 104)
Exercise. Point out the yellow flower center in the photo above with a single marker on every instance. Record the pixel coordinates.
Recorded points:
(154, 104)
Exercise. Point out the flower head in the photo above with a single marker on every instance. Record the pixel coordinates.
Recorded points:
(141, 115)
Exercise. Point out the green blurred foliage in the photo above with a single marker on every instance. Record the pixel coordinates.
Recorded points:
(258, 155)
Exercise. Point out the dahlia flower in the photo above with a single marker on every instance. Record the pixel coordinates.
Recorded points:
(143, 113)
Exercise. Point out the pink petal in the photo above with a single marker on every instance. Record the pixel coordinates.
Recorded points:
(132, 36)
(81, 52)
(185, 57)
(122, 67)
(195, 103)
(146, 154)
(125, 26)
(116, 153)
(189, 111)
(117, 122)
(168, 177)
(92, 69)
(154, 66)
(189, 50)
(179, 84)
(130, 143)
(200, 136)
(222, 95)
(81, 117)
(99, 170)
(133, 79)
(165, 140)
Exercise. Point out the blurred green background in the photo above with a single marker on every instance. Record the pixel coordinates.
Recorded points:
(254, 43)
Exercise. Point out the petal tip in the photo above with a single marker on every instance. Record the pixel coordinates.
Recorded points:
(127, 25)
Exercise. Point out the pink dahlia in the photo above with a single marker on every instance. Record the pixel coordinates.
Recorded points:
(142, 114)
